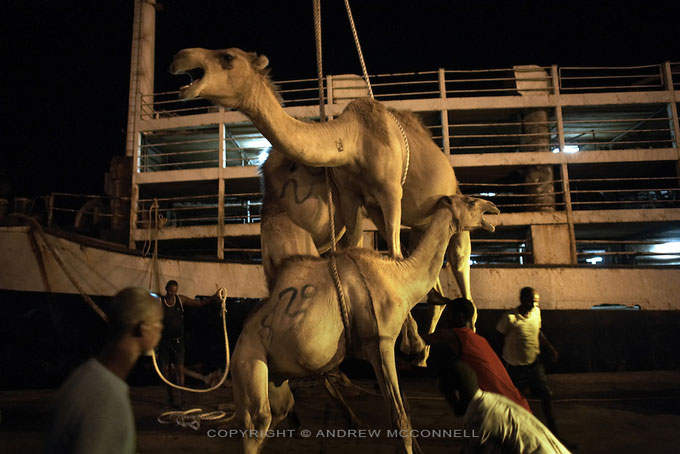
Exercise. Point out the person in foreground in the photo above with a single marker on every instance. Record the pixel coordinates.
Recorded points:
(92, 412)
(497, 424)
(454, 339)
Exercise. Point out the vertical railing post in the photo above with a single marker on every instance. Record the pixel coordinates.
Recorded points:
(444, 113)
(50, 210)
(564, 169)
(134, 198)
(221, 148)
(329, 89)
(673, 113)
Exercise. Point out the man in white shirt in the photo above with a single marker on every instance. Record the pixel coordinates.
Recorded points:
(92, 412)
(523, 341)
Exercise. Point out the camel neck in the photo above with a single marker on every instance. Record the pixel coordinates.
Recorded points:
(426, 260)
(311, 144)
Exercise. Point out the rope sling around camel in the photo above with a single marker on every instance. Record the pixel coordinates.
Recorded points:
(333, 263)
(322, 115)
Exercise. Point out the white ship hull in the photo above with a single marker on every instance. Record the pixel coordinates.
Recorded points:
(27, 263)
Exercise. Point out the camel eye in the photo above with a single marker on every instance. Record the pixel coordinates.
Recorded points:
(226, 60)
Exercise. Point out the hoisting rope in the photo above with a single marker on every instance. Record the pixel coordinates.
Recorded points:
(319, 59)
(407, 158)
(356, 43)
(344, 310)
(370, 91)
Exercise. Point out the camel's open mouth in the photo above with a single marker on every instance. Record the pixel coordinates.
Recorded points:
(191, 89)
(181, 66)
(489, 209)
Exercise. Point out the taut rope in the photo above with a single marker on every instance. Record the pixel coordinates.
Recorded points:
(356, 42)
(370, 91)
(344, 310)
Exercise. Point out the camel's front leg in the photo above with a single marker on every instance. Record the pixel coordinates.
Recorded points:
(389, 199)
(459, 256)
(250, 382)
(382, 360)
(434, 312)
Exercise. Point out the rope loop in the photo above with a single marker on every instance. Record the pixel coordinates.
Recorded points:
(190, 418)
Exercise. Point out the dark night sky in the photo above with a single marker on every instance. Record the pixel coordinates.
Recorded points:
(66, 63)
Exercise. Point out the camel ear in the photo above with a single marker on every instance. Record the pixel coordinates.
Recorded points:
(260, 62)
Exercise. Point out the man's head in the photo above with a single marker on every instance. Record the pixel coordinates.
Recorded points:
(529, 297)
(458, 313)
(458, 385)
(172, 287)
(136, 312)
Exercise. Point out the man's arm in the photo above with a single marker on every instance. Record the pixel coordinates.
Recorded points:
(198, 303)
(434, 298)
(548, 347)
(497, 339)
(446, 337)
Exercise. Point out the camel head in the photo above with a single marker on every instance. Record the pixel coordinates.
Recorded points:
(468, 212)
(221, 76)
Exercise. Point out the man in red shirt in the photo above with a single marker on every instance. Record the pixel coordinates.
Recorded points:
(454, 332)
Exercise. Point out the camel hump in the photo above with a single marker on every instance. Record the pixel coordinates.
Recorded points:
(371, 115)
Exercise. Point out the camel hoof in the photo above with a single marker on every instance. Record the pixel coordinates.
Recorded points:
(420, 362)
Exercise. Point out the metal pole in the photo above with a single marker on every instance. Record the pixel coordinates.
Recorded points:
(444, 113)
(220, 191)
(141, 83)
(673, 113)
(564, 170)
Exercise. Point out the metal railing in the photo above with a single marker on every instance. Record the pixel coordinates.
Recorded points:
(441, 84)
(590, 127)
(505, 136)
(610, 79)
(628, 252)
(625, 193)
(197, 210)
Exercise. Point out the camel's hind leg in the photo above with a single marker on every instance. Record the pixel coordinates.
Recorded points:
(382, 360)
(281, 403)
(411, 342)
(250, 382)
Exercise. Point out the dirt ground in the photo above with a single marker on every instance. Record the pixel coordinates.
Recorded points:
(627, 412)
